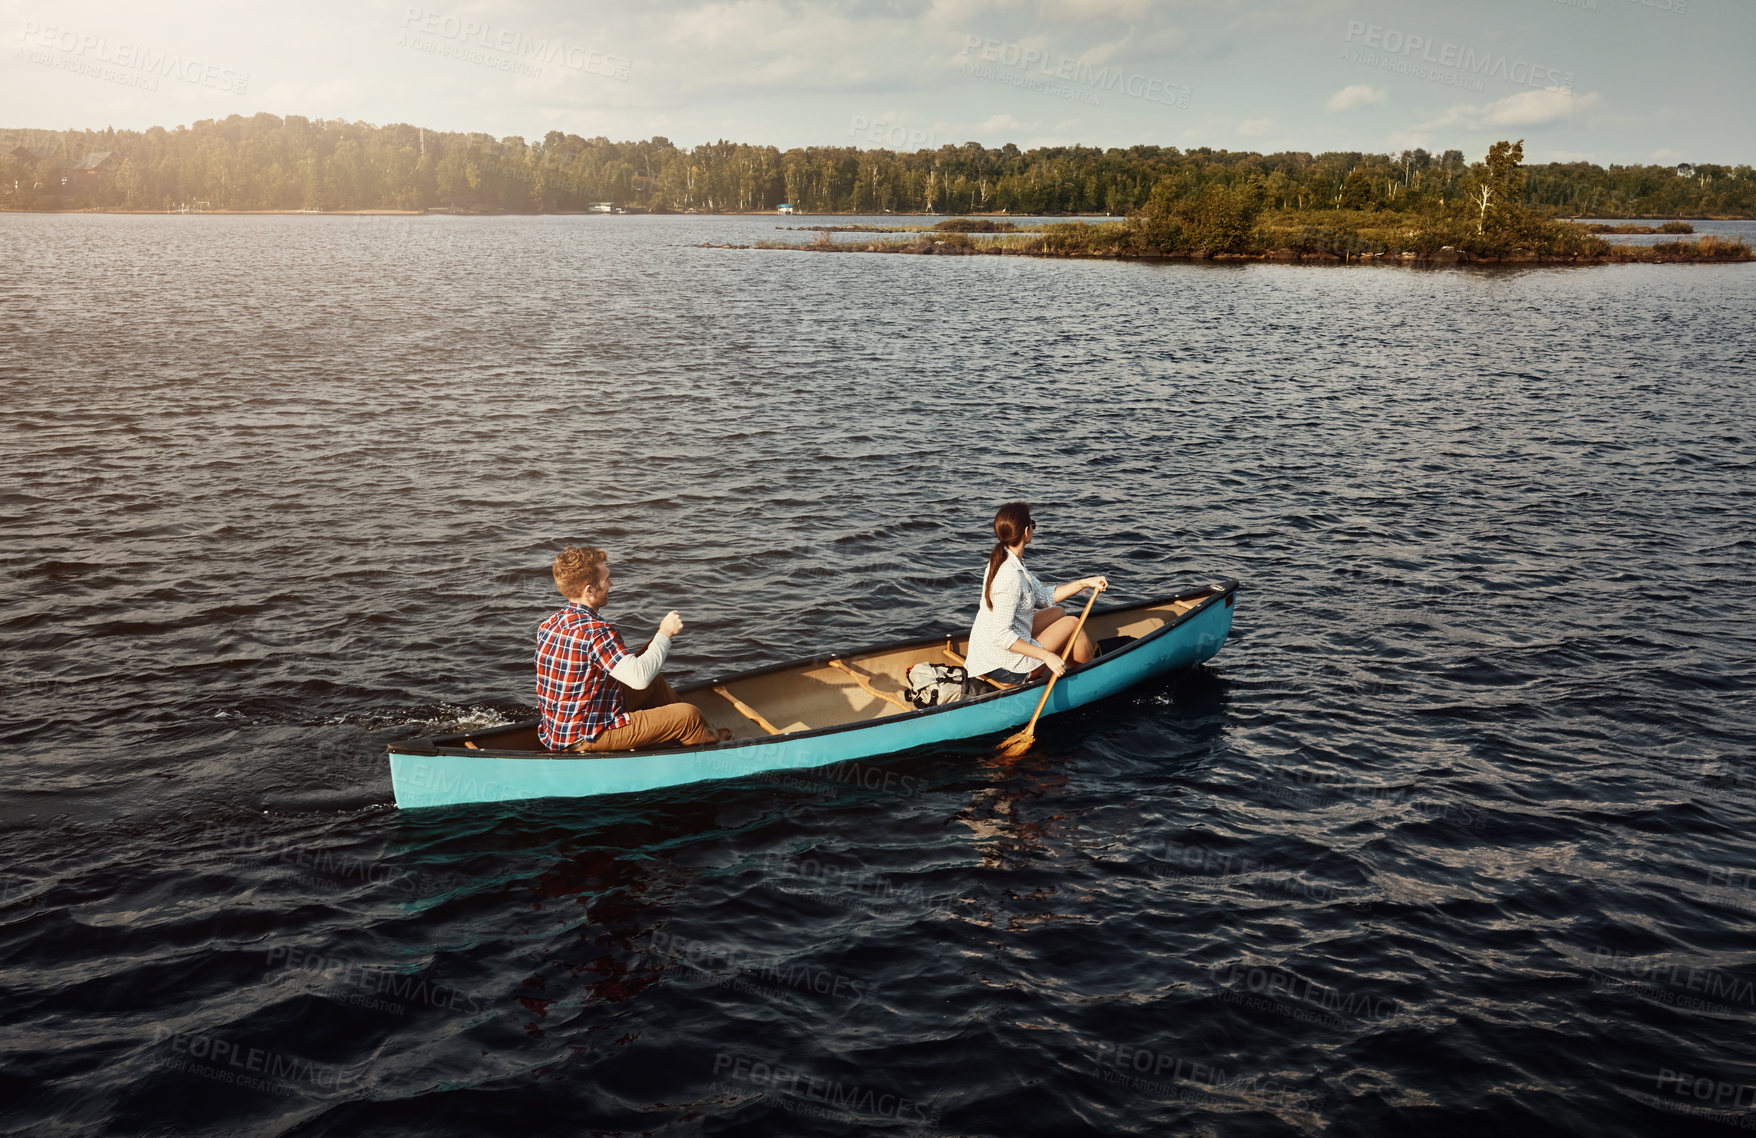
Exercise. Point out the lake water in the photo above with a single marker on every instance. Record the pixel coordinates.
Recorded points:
(1725, 229)
(1453, 837)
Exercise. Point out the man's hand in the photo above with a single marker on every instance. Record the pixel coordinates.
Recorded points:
(671, 625)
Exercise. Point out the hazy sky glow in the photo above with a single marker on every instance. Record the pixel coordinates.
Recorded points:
(1600, 80)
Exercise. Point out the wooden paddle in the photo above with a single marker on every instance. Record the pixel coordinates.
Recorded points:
(1015, 745)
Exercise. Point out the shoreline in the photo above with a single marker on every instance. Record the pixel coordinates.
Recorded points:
(239, 212)
(637, 212)
(1634, 255)
(439, 211)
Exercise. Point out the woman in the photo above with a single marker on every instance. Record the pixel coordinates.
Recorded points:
(1020, 628)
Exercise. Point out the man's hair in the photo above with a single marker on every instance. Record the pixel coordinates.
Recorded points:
(578, 566)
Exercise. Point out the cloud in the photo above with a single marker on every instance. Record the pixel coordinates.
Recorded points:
(1112, 11)
(1408, 140)
(1255, 128)
(1527, 108)
(768, 45)
(1353, 98)
(1004, 123)
(1535, 154)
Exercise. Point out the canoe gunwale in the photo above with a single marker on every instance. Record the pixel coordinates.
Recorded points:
(1218, 591)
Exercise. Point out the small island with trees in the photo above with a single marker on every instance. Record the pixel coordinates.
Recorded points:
(1488, 222)
(1342, 206)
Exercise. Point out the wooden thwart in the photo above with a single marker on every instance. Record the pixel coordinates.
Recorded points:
(869, 689)
(956, 659)
(749, 712)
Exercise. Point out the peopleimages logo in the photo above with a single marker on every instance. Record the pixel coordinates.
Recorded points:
(95, 51)
(1660, 979)
(1074, 73)
(796, 1088)
(509, 43)
(211, 1057)
(1722, 1094)
(898, 137)
(351, 977)
(1161, 1072)
(1487, 65)
(326, 867)
(1278, 983)
(680, 955)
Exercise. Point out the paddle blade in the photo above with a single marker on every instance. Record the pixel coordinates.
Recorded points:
(1015, 745)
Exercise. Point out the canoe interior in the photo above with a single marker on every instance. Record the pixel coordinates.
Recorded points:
(816, 695)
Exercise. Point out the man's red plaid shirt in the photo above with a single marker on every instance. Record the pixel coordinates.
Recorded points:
(575, 692)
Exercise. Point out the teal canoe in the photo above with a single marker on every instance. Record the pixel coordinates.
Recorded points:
(814, 713)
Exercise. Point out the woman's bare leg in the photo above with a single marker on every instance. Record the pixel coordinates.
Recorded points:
(1044, 620)
(1055, 637)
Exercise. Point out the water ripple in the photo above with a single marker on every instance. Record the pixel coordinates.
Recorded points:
(1453, 836)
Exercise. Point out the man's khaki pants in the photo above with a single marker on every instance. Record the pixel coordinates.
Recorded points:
(656, 718)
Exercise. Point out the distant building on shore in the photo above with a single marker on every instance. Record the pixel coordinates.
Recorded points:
(61, 170)
(784, 207)
(95, 162)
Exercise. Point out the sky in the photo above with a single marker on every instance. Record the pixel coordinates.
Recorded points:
(1604, 81)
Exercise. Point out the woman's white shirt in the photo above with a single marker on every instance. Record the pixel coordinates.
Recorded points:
(1017, 597)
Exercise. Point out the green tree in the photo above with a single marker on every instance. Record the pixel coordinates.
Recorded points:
(1495, 189)
(1356, 191)
(1215, 219)
(129, 184)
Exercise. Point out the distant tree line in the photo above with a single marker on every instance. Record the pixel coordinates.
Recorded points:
(267, 162)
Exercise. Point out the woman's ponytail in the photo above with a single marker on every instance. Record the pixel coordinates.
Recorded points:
(995, 560)
(1010, 523)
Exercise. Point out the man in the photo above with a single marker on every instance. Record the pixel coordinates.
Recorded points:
(594, 694)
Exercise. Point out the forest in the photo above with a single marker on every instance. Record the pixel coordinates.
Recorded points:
(266, 162)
